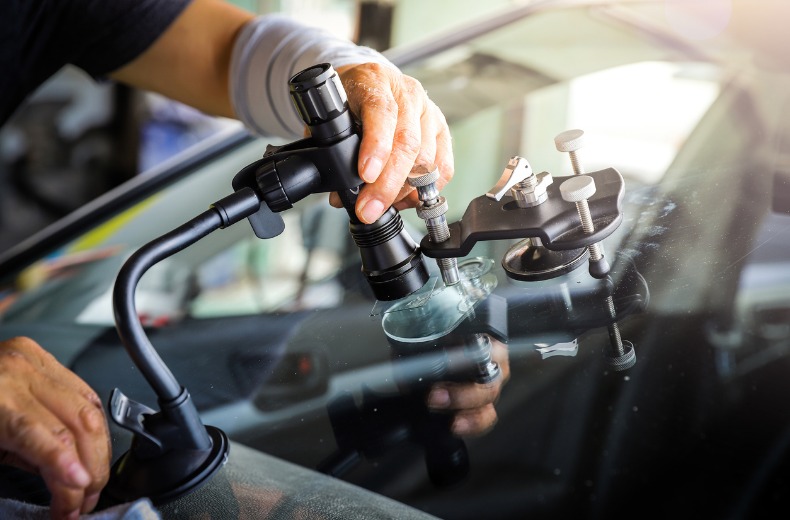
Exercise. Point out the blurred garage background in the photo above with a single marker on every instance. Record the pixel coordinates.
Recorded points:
(75, 138)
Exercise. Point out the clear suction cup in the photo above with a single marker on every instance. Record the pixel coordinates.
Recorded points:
(425, 317)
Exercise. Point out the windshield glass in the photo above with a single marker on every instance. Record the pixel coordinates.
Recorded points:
(283, 345)
(521, 99)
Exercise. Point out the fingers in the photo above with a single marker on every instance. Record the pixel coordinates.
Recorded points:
(37, 436)
(406, 145)
(52, 422)
(436, 151)
(401, 128)
(87, 426)
(473, 423)
(462, 396)
(371, 98)
(472, 403)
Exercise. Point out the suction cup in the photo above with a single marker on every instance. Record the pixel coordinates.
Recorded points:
(529, 261)
(169, 476)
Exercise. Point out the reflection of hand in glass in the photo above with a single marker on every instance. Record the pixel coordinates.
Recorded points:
(472, 403)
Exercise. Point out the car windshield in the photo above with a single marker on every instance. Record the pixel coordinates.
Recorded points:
(283, 345)
(521, 98)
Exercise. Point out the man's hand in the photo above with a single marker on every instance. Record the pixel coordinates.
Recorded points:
(53, 424)
(401, 127)
(472, 403)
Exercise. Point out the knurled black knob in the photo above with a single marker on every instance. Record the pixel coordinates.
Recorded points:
(318, 94)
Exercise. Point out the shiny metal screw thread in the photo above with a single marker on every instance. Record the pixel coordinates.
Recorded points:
(575, 163)
(529, 183)
(521, 189)
(449, 268)
(439, 231)
(596, 250)
(614, 329)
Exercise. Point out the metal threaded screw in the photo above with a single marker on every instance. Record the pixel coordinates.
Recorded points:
(571, 141)
(432, 208)
(578, 189)
(596, 250)
(614, 329)
(622, 355)
(438, 233)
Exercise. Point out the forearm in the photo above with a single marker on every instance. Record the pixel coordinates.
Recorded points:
(225, 61)
(190, 62)
(270, 50)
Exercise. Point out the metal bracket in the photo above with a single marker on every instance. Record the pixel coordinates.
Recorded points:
(556, 222)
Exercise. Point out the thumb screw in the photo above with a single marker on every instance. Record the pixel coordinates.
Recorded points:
(571, 141)
(578, 189)
(431, 209)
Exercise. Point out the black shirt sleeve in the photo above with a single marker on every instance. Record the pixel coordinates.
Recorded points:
(38, 37)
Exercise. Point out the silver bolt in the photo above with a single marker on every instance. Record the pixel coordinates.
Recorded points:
(622, 355)
(578, 189)
(614, 329)
(571, 141)
(432, 208)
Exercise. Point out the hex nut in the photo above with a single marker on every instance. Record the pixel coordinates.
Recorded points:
(435, 211)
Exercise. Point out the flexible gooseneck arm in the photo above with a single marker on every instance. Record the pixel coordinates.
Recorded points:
(127, 323)
(172, 452)
(222, 214)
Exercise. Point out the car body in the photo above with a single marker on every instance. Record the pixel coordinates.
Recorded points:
(281, 343)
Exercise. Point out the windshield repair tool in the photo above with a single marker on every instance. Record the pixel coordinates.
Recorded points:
(325, 162)
(172, 452)
(562, 224)
(528, 205)
(529, 260)
(431, 209)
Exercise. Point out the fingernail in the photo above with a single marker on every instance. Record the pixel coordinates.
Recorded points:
(74, 515)
(439, 398)
(78, 475)
(372, 169)
(371, 211)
